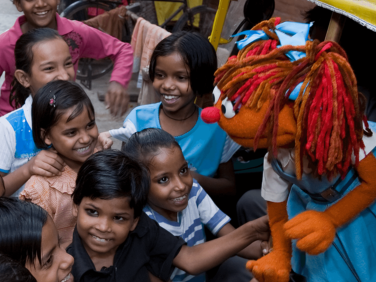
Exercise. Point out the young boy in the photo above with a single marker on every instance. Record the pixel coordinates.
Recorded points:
(115, 240)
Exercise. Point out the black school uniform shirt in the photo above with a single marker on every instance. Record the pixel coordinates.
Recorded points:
(148, 248)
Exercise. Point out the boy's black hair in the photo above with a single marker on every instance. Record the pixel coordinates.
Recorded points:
(50, 103)
(21, 226)
(12, 271)
(111, 174)
(23, 54)
(198, 54)
(145, 144)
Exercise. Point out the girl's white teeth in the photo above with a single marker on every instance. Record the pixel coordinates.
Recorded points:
(66, 278)
(168, 97)
(99, 239)
(83, 149)
(42, 13)
(180, 199)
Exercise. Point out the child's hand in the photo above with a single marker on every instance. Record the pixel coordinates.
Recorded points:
(117, 99)
(261, 228)
(104, 141)
(46, 163)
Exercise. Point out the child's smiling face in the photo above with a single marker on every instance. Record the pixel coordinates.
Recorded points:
(51, 61)
(56, 264)
(76, 139)
(39, 13)
(171, 182)
(172, 82)
(103, 225)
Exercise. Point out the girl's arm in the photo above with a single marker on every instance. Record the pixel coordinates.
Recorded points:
(253, 251)
(223, 185)
(202, 257)
(98, 45)
(46, 163)
(2, 187)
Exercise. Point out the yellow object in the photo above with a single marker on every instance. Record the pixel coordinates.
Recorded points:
(361, 11)
(219, 20)
(165, 9)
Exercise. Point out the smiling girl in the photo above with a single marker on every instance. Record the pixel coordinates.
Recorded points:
(41, 56)
(83, 41)
(63, 118)
(182, 67)
(28, 236)
(179, 204)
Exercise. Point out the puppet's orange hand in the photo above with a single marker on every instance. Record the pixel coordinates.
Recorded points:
(273, 267)
(314, 230)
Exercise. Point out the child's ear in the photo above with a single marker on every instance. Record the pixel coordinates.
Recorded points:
(17, 3)
(75, 210)
(134, 224)
(23, 78)
(45, 137)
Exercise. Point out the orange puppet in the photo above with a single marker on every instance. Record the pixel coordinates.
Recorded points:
(298, 98)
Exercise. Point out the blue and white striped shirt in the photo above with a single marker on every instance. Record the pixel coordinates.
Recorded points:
(201, 210)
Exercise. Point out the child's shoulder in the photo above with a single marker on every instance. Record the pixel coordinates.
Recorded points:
(146, 108)
(13, 121)
(64, 183)
(145, 115)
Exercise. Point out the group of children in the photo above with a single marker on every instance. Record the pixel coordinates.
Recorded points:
(130, 215)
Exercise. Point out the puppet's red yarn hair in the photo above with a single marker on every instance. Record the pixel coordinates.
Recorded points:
(329, 123)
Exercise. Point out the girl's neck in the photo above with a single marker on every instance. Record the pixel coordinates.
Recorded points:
(25, 27)
(75, 166)
(180, 122)
(170, 215)
(182, 114)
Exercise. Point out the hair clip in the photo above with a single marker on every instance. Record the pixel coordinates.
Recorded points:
(53, 101)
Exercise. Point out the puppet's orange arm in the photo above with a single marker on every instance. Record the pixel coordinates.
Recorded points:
(276, 265)
(315, 231)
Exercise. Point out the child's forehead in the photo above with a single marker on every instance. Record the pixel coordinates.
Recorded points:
(167, 158)
(109, 203)
(174, 61)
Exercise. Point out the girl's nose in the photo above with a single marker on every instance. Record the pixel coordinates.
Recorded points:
(210, 115)
(179, 184)
(85, 138)
(168, 84)
(41, 3)
(66, 261)
(63, 75)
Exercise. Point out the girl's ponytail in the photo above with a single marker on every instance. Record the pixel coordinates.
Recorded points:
(18, 94)
(24, 58)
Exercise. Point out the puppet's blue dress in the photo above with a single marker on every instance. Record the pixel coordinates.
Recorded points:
(352, 256)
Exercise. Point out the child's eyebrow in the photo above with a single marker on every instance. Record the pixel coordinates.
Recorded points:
(46, 63)
(93, 206)
(121, 213)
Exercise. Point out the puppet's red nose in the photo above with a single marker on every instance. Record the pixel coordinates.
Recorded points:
(210, 115)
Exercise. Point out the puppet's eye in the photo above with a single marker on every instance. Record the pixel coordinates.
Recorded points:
(216, 95)
(228, 109)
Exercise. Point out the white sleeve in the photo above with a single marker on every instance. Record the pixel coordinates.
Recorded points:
(125, 132)
(369, 145)
(7, 145)
(274, 188)
(229, 149)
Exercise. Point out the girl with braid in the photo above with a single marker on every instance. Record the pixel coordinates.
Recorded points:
(299, 99)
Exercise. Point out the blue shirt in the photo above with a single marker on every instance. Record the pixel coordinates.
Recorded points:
(204, 147)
